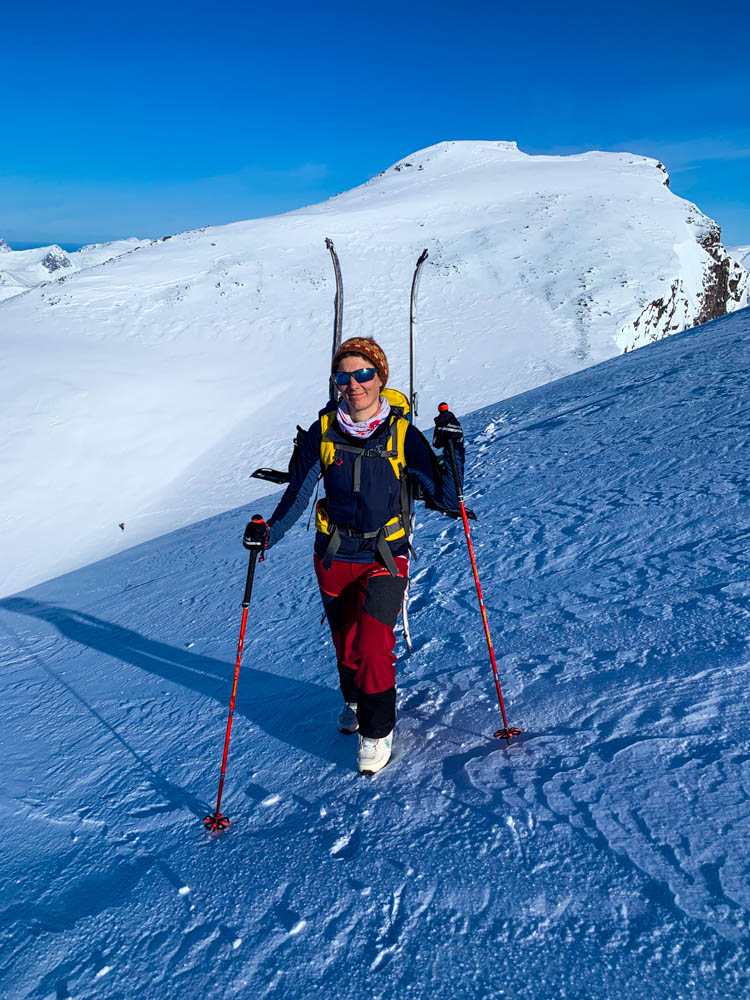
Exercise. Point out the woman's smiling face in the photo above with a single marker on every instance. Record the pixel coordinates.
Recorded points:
(362, 398)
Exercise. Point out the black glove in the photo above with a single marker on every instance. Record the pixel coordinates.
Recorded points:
(257, 534)
(447, 428)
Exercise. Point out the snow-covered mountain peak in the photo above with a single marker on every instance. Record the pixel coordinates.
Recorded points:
(177, 380)
(458, 154)
(433, 164)
(55, 259)
(488, 157)
(499, 184)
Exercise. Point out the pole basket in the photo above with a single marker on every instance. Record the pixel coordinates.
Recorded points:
(216, 822)
(507, 734)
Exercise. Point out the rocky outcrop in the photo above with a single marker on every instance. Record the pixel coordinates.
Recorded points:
(725, 287)
(56, 259)
(659, 318)
(660, 166)
(724, 280)
(4, 246)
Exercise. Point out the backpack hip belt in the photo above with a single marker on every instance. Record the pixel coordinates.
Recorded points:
(382, 547)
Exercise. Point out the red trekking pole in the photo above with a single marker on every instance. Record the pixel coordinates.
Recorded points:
(507, 733)
(217, 821)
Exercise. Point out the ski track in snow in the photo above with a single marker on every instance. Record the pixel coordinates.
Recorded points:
(604, 852)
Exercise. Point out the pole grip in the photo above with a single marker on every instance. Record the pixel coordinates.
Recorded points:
(250, 575)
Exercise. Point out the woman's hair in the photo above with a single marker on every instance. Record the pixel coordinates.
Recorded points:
(350, 354)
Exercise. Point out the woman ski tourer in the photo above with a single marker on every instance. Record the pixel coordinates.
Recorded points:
(373, 462)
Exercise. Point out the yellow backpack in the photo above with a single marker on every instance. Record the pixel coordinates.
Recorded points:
(394, 452)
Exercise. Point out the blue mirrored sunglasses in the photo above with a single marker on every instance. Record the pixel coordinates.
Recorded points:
(361, 375)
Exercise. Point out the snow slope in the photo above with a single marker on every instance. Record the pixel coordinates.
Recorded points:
(21, 270)
(142, 391)
(603, 855)
(740, 254)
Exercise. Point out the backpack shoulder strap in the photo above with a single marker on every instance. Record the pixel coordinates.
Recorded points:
(327, 447)
(394, 450)
(397, 457)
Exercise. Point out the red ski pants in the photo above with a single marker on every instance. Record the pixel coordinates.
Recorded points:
(362, 602)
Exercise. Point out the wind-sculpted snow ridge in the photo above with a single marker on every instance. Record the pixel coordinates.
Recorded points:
(141, 390)
(603, 855)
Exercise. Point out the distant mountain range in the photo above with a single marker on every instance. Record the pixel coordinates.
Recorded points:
(21, 270)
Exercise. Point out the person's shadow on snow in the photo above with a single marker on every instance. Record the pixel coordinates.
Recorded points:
(288, 709)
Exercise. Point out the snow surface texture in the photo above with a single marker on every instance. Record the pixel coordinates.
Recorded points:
(21, 270)
(740, 254)
(604, 855)
(144, 390)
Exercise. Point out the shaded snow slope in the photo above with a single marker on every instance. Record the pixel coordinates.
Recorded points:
(603, 855)
(140, 391)
(21, 270)
(740, 254)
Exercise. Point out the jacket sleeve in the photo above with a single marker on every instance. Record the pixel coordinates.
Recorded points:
(305, 470)
(433, 474)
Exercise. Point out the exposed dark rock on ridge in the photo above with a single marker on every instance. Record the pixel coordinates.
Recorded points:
(56, 259)
(724, 281)
(726, 284)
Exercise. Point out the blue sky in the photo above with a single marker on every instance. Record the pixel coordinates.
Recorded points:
(144, 119)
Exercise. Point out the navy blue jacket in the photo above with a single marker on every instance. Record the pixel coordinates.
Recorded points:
(378, 499)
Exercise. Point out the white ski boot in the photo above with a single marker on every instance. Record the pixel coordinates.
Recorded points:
(374, 754)
(348, 718)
